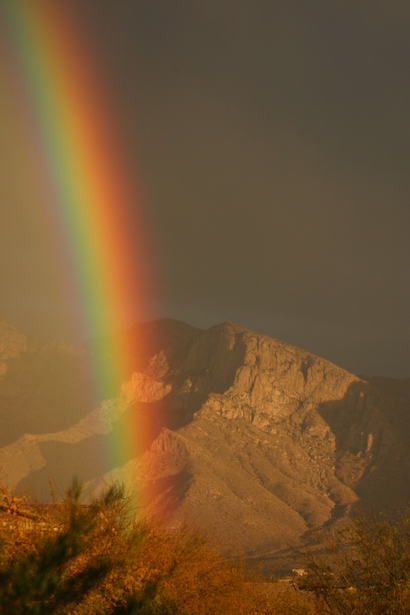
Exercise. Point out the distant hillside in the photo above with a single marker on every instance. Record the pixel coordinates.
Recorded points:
(255, 439)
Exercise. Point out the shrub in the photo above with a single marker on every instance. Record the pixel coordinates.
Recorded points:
(70, 558)
(364, 568)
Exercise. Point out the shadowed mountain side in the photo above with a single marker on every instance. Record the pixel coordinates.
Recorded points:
(393, 399)
(94, 455)
(372, 457)
(209, 365)
(169, 337)
(63, 462)
(44, 386)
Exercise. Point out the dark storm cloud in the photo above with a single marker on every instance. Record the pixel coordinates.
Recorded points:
(272, 140)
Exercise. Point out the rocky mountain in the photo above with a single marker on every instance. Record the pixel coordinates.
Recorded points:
(250, 437)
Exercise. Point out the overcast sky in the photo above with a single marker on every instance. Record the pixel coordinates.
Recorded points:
(271, 140)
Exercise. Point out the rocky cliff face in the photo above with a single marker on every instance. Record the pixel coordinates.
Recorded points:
(252, 438)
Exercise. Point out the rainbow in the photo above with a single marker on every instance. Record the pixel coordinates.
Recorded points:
(90, 197)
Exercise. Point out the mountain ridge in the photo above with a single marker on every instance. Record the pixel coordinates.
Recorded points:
(257, 440)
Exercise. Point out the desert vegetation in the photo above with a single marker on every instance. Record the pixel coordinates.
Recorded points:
(99, 559)
(72, 558)
(363, 568)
